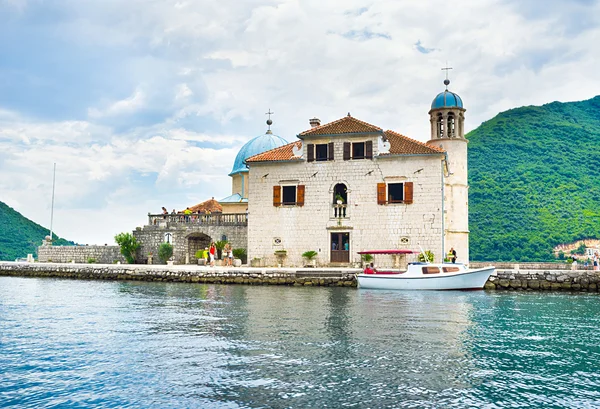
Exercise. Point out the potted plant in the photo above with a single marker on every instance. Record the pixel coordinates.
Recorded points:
(339, 199)
(220, 245)
(366, 258)
(256, 262)
(427, 258)
(165, 251)
(240, 254)
(200, 256)
(310, 257)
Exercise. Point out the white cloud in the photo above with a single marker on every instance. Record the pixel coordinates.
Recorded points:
(195, 78)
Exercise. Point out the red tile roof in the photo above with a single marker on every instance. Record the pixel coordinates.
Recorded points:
(283, 153)
(403, 145)
(210, 204)
(345, 125)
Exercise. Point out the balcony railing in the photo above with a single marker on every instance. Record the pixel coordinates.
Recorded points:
(214, 219)
(340, 211)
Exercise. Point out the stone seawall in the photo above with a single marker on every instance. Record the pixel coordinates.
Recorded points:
(516, 280)
(190, 274)
(544, 280)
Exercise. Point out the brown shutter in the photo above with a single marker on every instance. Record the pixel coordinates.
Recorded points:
(310, 152)
(408, 192)
(346, 150)
(276, 195)
(381, 193)
(369, 149)
(330, 151)
(300, 195)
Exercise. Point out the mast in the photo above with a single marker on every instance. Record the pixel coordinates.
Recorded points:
(52, 208)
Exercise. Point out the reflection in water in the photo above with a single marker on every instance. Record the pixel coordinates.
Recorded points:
(125, 344)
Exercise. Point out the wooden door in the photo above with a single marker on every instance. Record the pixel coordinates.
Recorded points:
(340, 247)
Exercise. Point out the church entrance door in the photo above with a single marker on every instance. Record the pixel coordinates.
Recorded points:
(340, 247)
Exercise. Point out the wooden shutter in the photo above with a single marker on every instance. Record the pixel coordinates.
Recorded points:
(330, 151)
(369, 149)
(346, 150)
(276, 195)
(310, 152)
(408, 192)
(381, 194)
(300, 195)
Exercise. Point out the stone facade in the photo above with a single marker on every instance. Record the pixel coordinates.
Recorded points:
(545, 280)
(80, 254)
(187, 238)
(370, 225)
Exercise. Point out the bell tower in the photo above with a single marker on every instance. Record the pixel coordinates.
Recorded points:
(447, 117)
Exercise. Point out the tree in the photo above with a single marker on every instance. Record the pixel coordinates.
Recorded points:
(129, 246)
(165, 252)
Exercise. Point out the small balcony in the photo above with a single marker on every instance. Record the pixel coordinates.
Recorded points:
(339, 211)
(195, 219)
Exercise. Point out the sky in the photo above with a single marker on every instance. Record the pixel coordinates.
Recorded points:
(144, 104)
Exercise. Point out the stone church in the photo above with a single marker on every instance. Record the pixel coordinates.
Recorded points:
(348, 186)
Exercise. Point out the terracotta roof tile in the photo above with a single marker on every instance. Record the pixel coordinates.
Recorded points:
(403, 145)
(345, 125)
(283, 153)
(210, 204)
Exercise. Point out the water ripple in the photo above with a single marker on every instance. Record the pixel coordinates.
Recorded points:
(139, 345)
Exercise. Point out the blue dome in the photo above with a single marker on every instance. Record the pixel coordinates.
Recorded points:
(446, 99)
(255, 146)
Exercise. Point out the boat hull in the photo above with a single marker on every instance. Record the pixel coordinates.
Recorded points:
(469, 280)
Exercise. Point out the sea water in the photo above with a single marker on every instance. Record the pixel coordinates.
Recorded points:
(94, 344)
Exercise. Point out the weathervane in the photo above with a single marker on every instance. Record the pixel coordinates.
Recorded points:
(446, 81)
(269, 122)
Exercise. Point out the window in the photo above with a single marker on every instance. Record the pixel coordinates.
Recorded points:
(440, 125)
(451, 126)
(358, 150)
(289, 195)
(431, 270)
(450, 269)
(319, 152)
(395, 193)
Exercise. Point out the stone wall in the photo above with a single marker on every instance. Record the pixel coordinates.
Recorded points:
(556, 280)
(80, 254)
(370, 225)
(185, 240)
(182, 274)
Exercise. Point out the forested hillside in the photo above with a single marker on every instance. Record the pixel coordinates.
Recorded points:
(534, 176)
(20, 236)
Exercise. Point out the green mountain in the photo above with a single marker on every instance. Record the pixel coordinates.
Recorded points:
(534, 176)
(20, 236)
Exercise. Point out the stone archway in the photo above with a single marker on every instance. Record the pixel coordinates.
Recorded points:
(196, 241)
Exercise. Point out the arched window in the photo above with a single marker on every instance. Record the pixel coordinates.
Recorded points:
(440, 125)
(340, 193)
(451, 126)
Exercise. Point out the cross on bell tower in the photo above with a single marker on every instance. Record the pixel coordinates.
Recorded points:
(269, 121)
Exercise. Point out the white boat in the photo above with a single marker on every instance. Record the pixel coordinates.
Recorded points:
(424, 276)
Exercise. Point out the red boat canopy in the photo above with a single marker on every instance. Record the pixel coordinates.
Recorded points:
(388, 252)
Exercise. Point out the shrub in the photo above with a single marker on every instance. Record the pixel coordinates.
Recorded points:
(310, 254)
(91, 260)
(199, 254)
(428, 255)
(165, 252)
(239, 253)
(129, 246)
(367, 258)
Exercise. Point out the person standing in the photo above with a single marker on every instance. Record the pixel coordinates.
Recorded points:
(211, 253)
(452, 255)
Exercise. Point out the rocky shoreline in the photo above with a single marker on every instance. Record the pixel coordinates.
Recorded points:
(503, 280)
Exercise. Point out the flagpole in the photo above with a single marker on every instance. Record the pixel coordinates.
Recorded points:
(52, 208)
